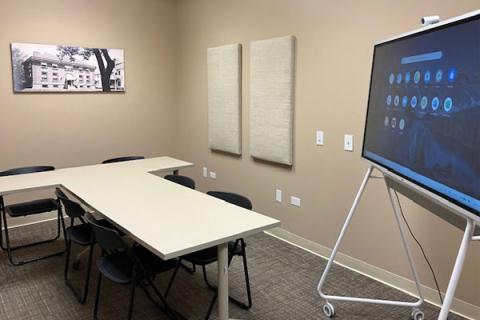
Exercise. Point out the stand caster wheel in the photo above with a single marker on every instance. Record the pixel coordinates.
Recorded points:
(417, 315)
(329, 310)
(76, 265)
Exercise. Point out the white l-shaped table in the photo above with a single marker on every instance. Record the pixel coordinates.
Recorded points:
(167, 218)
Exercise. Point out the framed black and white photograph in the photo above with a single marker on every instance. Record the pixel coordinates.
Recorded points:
(59, 68)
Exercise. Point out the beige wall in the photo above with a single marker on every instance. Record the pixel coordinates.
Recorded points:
(76, 129)
(334, 52)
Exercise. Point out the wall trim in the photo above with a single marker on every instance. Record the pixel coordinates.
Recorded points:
(388, 278)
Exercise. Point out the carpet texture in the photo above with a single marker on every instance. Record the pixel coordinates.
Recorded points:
(283, 279)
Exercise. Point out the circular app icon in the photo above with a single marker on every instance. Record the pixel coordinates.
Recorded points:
(394, 122)
(416, 77)
(407, 77)
(389, 100)
(424, 102)
(404, 101)
(427, 77)
(413, 102)
(396, 101)
(452, 75)
(401, 124)
(399, 78)
(391, 78)
(435, 103)
(448, 104)
(387, 121)
(439, 75)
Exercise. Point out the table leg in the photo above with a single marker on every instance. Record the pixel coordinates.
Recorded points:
(223, 281)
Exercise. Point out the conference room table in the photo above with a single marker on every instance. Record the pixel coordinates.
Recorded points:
(167, 218)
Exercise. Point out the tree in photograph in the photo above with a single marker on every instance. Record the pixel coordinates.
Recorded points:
(105, 63)
(18, 57)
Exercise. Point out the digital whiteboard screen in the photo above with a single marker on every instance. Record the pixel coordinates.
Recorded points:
(423, 118)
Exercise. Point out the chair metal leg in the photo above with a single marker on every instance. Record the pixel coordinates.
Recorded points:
(97, 297)
(132, 294)
(164, 305)
(205, 278)
(212, 304)
(10, 248)
(170, 283)
(81, 297)
(247, 281)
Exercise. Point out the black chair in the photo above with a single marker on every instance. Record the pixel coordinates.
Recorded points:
(122, 159)
(129, 266)
(80, 234)
(182, 180)
(235, 248)
(26, 209)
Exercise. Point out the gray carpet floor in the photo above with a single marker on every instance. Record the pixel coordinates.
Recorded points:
(283, 279)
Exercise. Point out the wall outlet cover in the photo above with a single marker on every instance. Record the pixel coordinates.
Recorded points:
(278, 195)
(295, 201)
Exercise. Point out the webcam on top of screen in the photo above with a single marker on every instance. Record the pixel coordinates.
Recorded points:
(428, 20)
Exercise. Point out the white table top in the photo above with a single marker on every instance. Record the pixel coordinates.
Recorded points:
(169, 219)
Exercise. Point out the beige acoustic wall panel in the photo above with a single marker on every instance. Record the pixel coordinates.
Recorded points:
(224, 98)
(272, 88)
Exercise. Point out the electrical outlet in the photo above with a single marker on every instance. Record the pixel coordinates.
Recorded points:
(278, 195)
(295, 201)
(205, 172)
(213, 175)
(348, 142)
(319, 138)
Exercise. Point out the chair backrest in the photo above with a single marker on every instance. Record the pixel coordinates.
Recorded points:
(25, 170)
(122, 159)
(108, 239)
(72, 208)
(232, 198)
(182, 180)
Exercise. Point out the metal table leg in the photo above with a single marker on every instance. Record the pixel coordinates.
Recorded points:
(223, 281)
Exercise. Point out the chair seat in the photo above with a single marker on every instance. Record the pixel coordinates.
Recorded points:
(31, 207)
(118, 267)
(209, 255)
(80, 234)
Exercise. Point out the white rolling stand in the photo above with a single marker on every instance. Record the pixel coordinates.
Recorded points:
(416, 313)
(457, 269)
(328, 307)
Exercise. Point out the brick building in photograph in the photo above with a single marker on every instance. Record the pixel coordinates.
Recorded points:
(48, 72)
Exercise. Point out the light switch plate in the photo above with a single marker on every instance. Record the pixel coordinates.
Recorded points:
(348, 142)
(295, 201)
(213, 175)
(278, 195)
(319, 138)
(205, 172)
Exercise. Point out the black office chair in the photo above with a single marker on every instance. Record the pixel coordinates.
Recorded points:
(182, 180)
(129, 266)
(80, 234)
(235, 248)
(122, 159)
(26, 209)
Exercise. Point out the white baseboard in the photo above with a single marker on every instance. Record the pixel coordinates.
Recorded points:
(403, 284)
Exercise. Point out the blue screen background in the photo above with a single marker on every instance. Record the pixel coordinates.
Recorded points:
(425, 124)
